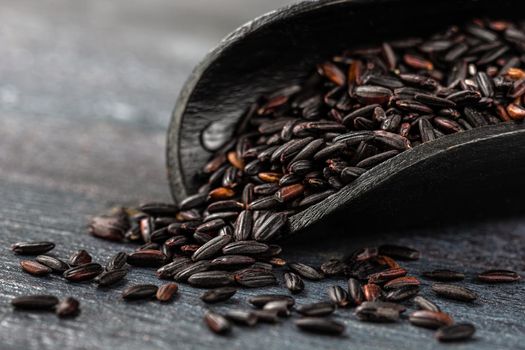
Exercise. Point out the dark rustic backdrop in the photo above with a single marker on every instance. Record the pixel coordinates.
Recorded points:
(86, 90)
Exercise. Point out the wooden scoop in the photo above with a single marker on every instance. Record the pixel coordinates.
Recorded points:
(453, 175)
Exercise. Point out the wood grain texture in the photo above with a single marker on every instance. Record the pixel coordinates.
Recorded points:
(64, 159)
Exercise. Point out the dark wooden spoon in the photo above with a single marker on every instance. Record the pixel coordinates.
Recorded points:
(434, 180)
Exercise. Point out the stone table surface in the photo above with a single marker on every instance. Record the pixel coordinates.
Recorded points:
(86, 90)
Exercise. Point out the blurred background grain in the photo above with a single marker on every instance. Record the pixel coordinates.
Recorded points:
(80, 78)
